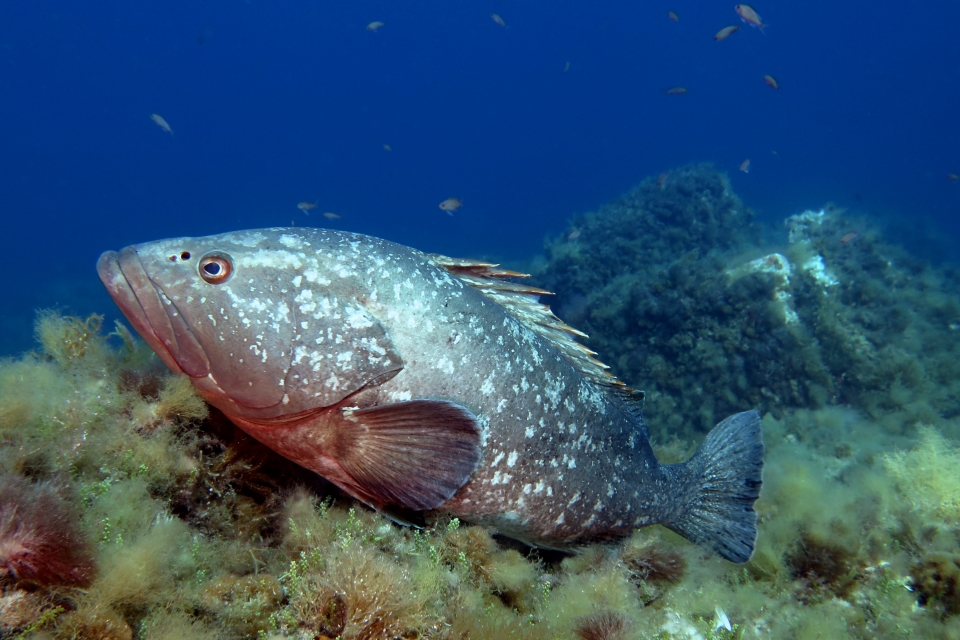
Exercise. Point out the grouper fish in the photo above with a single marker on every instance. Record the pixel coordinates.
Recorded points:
(419, 383)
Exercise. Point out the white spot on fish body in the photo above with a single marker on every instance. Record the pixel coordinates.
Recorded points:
(487, 387)
(574, 499)
(357, 319)
(560, 520)
(290, 241)
(512, 458)
(497, 460)
(527, 488)
(539, 487)
(312, 275)
(445, 365)
(297, 280)
(549, 492)
(610, 490)
(572, 464)
(529, 432)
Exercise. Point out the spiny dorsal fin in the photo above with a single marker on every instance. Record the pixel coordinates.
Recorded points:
(522, 302)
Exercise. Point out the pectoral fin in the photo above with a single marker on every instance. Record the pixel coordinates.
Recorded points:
(413, 455)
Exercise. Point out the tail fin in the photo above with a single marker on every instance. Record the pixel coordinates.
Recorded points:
(724, 478)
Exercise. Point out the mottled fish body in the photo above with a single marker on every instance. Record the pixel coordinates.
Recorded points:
(417, 382)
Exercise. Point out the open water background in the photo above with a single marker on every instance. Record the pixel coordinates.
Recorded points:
(277, 102)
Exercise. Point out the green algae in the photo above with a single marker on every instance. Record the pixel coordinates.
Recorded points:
(200, 532)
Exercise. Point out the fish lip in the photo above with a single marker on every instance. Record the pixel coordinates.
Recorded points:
(151, 313)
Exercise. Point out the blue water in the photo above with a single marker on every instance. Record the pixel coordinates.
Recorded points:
(273, 103)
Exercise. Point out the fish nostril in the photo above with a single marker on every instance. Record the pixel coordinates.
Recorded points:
(185, 255)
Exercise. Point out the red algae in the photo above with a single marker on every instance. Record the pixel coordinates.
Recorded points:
(40, 540)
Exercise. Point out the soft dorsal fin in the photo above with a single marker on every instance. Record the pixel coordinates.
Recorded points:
(523, 303)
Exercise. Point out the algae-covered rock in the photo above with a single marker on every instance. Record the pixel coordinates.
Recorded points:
(646, 276)
(681, 298)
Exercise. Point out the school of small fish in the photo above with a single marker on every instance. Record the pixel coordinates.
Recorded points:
(747, 14)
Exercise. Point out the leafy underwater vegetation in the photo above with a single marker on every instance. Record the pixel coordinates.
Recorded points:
(162, 520)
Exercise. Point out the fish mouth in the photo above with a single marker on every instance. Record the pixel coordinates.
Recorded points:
(154, 316)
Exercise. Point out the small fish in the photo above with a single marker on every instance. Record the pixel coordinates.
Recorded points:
(772, 82)
(673, 16)
(447, 389)
(161, 123)
(952, 177)
(726, 32)
(451, 204)
(496, 18)
(748, 15)
(662, 180)
(849, 237)
(373, 26)
(307, 206)
(330, 215)
(676, 91)
(745, 166)
(566, 67)
(573, 235)
(387, 147)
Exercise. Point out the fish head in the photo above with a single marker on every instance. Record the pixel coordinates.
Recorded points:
(266, 323)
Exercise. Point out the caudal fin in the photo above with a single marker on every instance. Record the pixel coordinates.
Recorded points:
(723, 478)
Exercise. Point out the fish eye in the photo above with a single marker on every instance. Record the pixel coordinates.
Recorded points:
(215, 267)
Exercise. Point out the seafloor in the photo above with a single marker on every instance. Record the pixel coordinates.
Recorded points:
(129, 509)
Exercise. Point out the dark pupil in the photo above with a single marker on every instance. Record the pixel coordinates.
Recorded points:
(212, 269)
